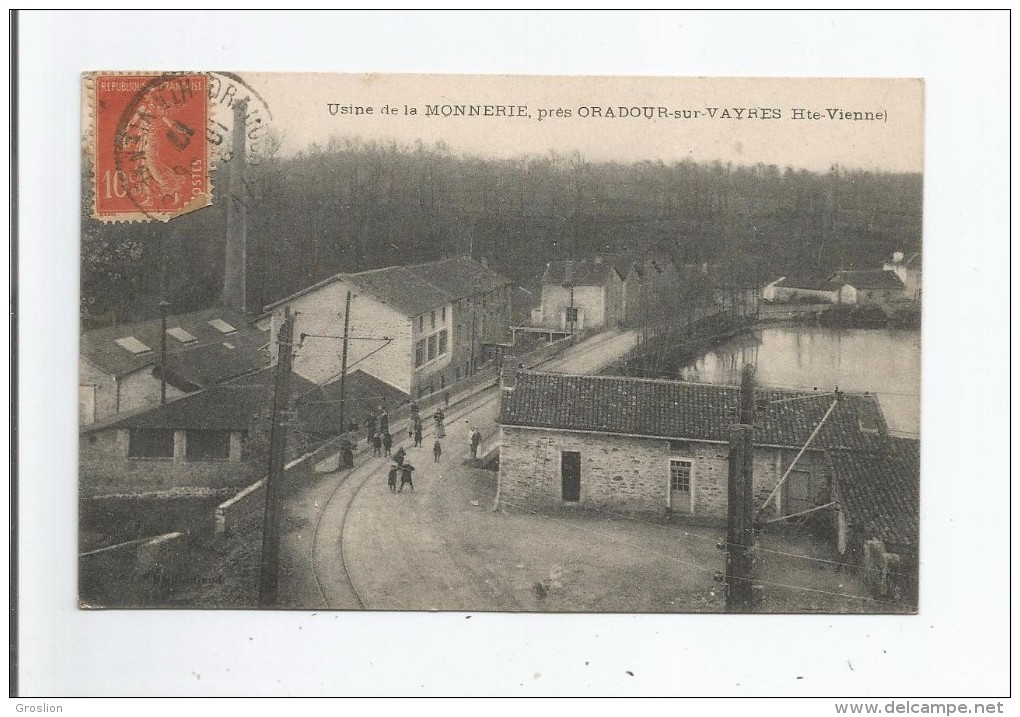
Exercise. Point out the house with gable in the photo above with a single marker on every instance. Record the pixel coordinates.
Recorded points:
(581, 294)
(419, 328)
(909, 272)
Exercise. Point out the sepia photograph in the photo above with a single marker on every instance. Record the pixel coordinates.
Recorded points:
(504, 343)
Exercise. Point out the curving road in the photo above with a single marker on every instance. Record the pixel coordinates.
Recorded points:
(376, 550)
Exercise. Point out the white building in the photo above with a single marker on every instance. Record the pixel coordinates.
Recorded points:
(418, 328)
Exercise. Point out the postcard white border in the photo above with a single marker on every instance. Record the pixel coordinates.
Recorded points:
(958, 644)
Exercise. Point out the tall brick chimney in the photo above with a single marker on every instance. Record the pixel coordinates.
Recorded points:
(236, 255)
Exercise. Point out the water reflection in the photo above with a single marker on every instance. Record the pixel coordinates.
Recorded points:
(883, 361)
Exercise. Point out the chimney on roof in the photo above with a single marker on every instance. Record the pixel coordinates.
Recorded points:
(508, 374)
(236, 251)
(485, 261)
(897, 257)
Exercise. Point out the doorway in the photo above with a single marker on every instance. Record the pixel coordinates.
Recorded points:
(570, 476)
(680, 485)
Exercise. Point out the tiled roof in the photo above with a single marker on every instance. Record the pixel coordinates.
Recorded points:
(880, 490)
(202, 363)
(579, 272)
(417, 288)
(870, 279)
(808, 282)
(677, 410)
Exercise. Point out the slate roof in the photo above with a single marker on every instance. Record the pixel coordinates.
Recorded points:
(676, 410)
(869, 279)
(880, 490)
(227, 407)
(319, 410)
(202, 363)
(808, 282)
(579, 272)
(417, 288)
(234, 405)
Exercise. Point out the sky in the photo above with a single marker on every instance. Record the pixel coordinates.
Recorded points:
(682, 125)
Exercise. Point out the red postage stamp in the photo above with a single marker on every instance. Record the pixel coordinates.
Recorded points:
(150, 148)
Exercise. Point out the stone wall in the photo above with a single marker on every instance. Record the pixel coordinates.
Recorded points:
(631, 475)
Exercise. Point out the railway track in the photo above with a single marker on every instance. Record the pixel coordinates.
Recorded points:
(332, 579)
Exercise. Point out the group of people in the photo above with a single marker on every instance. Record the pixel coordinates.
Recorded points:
(379, 437)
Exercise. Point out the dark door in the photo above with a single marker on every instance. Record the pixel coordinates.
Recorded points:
(570, 472)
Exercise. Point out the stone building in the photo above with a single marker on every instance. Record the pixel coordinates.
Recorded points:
(633, 445)
(420, 328)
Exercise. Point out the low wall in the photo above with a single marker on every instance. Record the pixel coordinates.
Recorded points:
(225, 516)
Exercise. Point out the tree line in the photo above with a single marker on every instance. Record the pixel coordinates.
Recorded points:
(353, 204)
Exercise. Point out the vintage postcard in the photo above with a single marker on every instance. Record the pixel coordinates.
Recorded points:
(500, 343)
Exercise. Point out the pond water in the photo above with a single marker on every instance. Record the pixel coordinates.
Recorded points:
(886, 362)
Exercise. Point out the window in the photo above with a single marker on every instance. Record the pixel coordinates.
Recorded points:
(442, 342)
(181, 335)
(132, 345)
(208, 445)
(457, 373)
(442, 381)
(222, 326)
(572, 313)
(419, 353)
(443, 315)
(432, 346)
(680, 476)
(421, 322)
(151, 443)
(433, 319)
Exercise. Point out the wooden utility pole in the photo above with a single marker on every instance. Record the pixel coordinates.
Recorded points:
(740, 519)
(163, 306)
(343, 362)
(274, 481)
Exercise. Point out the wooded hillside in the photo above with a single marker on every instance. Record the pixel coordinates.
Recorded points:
(356, 205)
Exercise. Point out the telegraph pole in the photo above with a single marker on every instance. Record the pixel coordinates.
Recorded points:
(163, 305)
(740, 518)
(343, 362)
(274, 481)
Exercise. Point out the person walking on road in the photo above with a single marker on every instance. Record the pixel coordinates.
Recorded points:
(476, 440)
(387, 442)
(376, 445)
(391, 479)
(398, 457)
(439, 418)
(417, 436)
(384, 422)
(405, 477)
(437, 450)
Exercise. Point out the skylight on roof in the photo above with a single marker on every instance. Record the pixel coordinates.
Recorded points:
(222, 326)
(181, 335)
(133, 345)
(228, 345)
